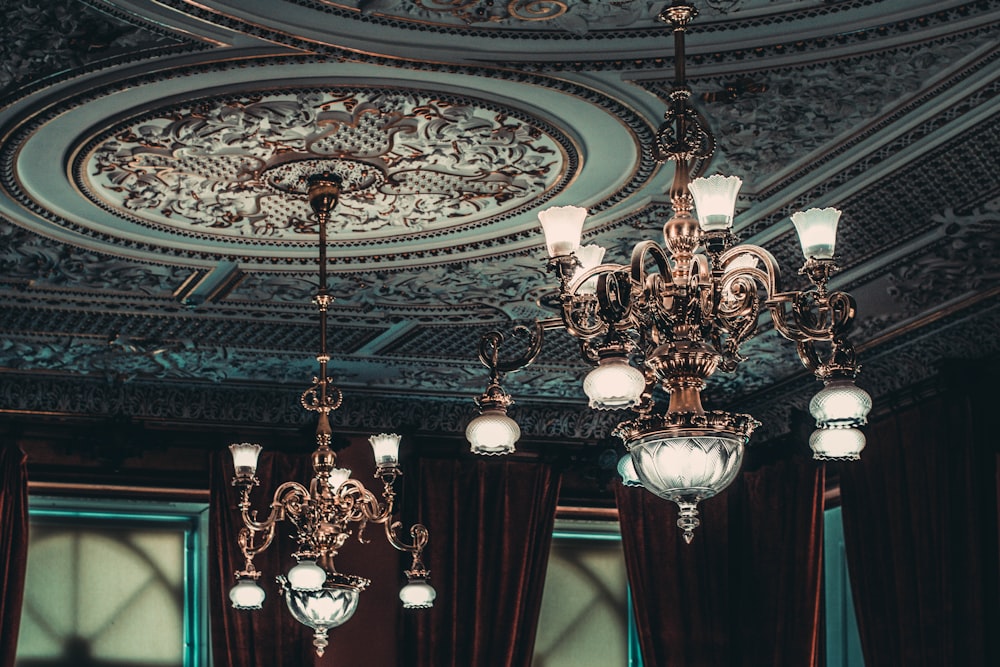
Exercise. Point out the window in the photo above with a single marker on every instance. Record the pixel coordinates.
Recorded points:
(114, 583)
(843, 644)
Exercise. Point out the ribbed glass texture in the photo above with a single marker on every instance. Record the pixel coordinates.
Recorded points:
(385, 446)
(322, 609)
(817, 230)
(245, 456)
(715, 201)
(338, 476)
(837, 444)
(614, 384)
(306, 576)
(563, 227)
(626, 468)
(691, 468)
(590, 255)
(417, 594)
(841, 404)
(492, 433)
(246, 594)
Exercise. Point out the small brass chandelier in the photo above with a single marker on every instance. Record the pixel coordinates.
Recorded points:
(333, 505)
(677, 313)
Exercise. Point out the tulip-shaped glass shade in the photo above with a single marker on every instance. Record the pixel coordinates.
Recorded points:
(386, 449)
(245, 456)
(841, 404)
(417, 594)
(590, 255)
(715, 201)
(338, 476)
(837, 444)
(492, 433)
(626, 468)
(306, 576)
(614, 384)
(817, 230)
(246, 594)
(563, 226)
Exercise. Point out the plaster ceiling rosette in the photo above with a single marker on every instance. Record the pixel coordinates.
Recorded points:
(209, 163)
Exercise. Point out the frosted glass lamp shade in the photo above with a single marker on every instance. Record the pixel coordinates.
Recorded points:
(306, 576)
(563, 226)
(715, 201)
(614, 384)
(626, 469)
(325, 608)
(817, 230)
(246, 594)
(417, 594)
(385, 446)
(837, 444)
(492, 433)
(245, 455)
(590, 255)
(841, 404)
(687, 468)
(338, 476)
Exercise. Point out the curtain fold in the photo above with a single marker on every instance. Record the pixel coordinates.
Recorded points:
(920, 533)
(491, 528)
(13, 546)
(746, 591)
(268, 636)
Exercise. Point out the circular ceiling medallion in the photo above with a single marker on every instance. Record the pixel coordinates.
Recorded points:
(415, 162)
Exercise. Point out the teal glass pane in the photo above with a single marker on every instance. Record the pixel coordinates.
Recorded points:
(843, 644)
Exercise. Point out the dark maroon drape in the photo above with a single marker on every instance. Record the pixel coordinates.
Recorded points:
(491, 529)
(746, 591)
(270, 636)
(13, 546)
(920, 532)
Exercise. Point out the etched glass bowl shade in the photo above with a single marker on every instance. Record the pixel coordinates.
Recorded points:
(841, 404)
(492, 433)
(325, 608)
(689, 468)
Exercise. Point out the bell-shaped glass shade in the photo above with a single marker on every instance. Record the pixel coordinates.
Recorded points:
(563, 227)
(614, 384)
(837, 444)
(338, 476)
(626, 469)
(306, 576)
(245, 456)
(817, 230)
(385, 446)
(590, 255)
(417, 594)
(841, 404)
(246, 594)
(492, 433)
(715, 201)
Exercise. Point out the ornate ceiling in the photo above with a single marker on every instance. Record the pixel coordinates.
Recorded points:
(151, 234)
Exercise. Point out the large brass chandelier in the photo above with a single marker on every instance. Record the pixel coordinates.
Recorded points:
(333, 505)
(677, 313)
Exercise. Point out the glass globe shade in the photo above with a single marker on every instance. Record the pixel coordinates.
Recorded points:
(590, 255)
(245, 455)
(492, 433)
(715, 201)
(626, 468)
(614, 384)
(338, 476)
(837, 444)
(817, 230)
(417, 594)
(689, 468)
(385, 446)
(246, 594)
(306, 576)
(563, 226)
(325, 608)
(841, 404)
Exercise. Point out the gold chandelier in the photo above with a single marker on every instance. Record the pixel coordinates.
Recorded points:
(333, 505)
(676, 314)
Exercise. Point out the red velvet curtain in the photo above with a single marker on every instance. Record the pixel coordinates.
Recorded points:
(491, 529)
(746, 591)
(13, 546)
(920, 531)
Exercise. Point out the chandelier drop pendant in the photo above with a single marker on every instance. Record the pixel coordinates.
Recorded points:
(676, 314)
(333, 506)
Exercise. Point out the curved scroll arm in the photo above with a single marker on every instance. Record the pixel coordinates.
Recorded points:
(288, 499)
(649, 248)
(490, 343)
(359, 505)
(803, 316)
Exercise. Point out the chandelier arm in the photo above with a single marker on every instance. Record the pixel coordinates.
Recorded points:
(362, 504)
(638, 265)
(280, 503)
(246, 539)
(491, 342)
(418, 533)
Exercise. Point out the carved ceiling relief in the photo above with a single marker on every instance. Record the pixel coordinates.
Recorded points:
(40, 37)
(417, 162)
